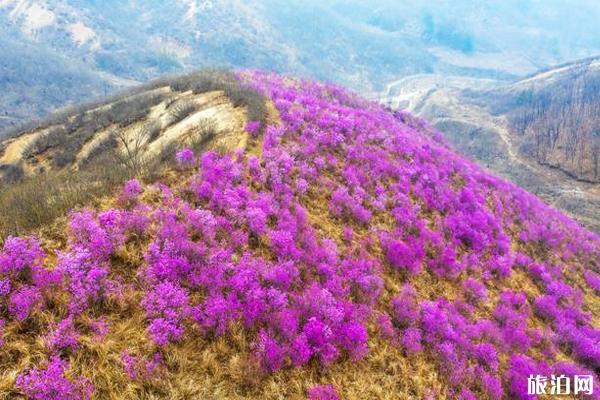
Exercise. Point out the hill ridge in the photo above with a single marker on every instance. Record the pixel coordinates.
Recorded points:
(343, 252)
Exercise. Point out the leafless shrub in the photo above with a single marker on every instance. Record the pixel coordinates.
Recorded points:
(170, 101)
(153, 130)
(204, 132)
(130, 110)
(103, 146)
(133, 104)
(132, 148)
(560, 123)
(53, 138)
(251, 99)
(66, 153)
(167, 153)
(226, 81)
(180, 110)
(11, 173)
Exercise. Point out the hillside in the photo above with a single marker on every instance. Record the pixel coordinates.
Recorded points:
(60, 52)
(330, 249)
(79, 153)
(556, 116)
(540, 131)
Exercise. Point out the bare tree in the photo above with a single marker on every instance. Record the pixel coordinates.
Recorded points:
(132, 144)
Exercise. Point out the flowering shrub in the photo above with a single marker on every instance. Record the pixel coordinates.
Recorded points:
(403, 256)
(474, 290)
(185, 157)
(166, 307)
(87, 235)
(130, 193)
(24, 281)
(141, 369)
(520, 368)
(323, 392)
(253, 128)
(99, 328)
(20, 257)
(593, 281)
(52, 384)
(23, 301)
(87, 278)
(63, 336)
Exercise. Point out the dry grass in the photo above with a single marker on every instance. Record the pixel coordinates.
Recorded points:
(40, 199)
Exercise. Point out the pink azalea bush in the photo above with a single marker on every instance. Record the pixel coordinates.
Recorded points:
(323, 392)
(253, 128)
(185, 157)
(130, 192)
(51, 383)
(140, 369)
(63, 337)
(24, 281)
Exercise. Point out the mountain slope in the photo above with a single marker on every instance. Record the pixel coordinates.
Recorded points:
(30, 88)
(340, 250)
(540, 131)
(555, 116)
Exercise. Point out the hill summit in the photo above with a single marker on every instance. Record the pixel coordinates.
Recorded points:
(340, 251)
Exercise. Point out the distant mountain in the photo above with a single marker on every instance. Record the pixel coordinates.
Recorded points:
(555, 115)
(542, 131)
(91, 47)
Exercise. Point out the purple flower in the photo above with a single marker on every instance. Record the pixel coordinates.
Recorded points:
(185, 158)
(100, 328)
(253, 128)
(474, 290)
(323, 392)
(520, 367)
(20, 257)
(405, 256)
(139, 368)
(63, 337)
(593, 280)
(411, 340)
(130, 193)
(24, 301)
(270, 353)
(52, 384)
(166, 306)
(406, 308)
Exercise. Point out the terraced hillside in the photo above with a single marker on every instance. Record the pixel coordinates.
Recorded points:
(336, 251)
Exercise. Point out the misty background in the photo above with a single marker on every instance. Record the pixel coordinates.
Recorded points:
(59, 52)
